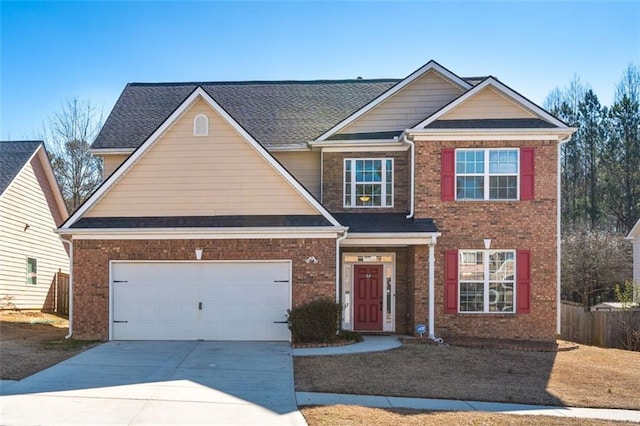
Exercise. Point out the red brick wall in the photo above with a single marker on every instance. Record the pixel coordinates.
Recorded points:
(91, 269)
(333, 181)
(524, 225)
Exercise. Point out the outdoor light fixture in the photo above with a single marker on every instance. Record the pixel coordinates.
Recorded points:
(487, 243)
(199, 253)
(311, 259)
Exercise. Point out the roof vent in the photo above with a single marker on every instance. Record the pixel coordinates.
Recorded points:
(201, 125)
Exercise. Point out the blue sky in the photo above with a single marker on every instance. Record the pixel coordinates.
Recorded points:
(53, 51)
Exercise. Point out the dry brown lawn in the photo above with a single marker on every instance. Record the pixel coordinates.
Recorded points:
(363, 416)
(584, 377)
(32, 341)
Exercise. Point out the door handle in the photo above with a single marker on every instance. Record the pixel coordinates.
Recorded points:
(200, 305)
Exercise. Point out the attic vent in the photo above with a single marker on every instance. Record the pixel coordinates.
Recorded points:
(201, 125)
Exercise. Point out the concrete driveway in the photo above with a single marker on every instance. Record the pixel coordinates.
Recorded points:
(136, 383)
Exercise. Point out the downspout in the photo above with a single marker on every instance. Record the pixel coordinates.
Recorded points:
(412, 183)
(559, 238)
(70, 243)
(338, 240)
(432, 279)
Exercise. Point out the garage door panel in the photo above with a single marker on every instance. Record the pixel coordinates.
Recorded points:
(161, 300)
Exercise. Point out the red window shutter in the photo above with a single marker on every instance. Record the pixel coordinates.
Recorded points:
(448, 174)
(451, 281)
(523, 281)
(527, 173)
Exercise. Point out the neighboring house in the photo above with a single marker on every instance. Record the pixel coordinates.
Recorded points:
(634, 236)
(428, 200)
(612, 306)
(31, 208)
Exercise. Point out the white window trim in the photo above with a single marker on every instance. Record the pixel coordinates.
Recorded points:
(383, 184)
(486, 174)
(27, 272)
(486, 282)
(195, 125)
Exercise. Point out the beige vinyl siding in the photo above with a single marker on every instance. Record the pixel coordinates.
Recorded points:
(487, 104)
(409, 106)
(25, 202)
(304, 166)
(215, 175)
(636, 266)
(110, 162)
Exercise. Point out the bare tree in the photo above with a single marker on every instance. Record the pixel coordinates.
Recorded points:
(593, 263)
(68, 136)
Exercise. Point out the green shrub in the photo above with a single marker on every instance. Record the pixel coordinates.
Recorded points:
(316, 321)
(350, 335)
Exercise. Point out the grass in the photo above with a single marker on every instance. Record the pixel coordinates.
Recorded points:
(585, 377)
(363, 416)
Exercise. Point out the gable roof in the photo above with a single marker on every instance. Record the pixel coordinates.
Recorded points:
(502, 88)
(280, 113)
(635, 231)
(199, 92)
(429, 66)
(14, 155)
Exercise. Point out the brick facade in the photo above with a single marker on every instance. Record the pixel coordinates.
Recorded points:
(333, 181)
(91, 269)
(519, 225)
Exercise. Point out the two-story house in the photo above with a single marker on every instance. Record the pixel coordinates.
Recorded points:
(428, 200)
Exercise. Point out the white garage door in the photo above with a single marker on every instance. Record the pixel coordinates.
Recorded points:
(200, 300)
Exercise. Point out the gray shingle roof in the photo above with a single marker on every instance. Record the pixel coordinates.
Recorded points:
(202, 221)
(13, 156)
(274, 113)
(505, 123)
(384, 222)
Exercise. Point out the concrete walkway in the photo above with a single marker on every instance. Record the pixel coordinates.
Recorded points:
(381, 343)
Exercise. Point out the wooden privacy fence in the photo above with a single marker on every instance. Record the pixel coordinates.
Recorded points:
(599, 328)
(61, 294)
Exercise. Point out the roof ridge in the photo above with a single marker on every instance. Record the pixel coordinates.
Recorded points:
(265, 82)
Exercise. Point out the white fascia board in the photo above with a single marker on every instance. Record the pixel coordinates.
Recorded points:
(112, 151)
(363, 146)
(490, 81)
(431, 65)
(329, 232)
(382, 239)
(291, 147)
(155, 136)
(635, 231)
(489, 134)
(53, 182)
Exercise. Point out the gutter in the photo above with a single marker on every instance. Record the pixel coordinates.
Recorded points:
(70, 244)
(338, 240)
(559, 238)
(412, 148)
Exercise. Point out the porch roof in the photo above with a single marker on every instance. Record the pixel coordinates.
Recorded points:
(385, 223)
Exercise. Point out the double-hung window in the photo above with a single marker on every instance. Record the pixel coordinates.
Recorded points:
(487, 281)
(487, 174)
(368, 182)
(32, 271)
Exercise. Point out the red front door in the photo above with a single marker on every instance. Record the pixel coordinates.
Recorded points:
(367, 294)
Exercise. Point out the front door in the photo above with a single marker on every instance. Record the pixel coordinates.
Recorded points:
(367, 314)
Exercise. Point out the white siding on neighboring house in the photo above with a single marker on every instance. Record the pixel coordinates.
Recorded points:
(487, 104)
(215, 175)
(636, 267)
(304, 166)
(27, 201)
(408, 107)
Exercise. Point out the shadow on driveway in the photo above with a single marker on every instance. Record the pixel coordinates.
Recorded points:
(161, 383)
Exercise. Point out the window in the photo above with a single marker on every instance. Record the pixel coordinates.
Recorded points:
(368, 182)
(487, 280)
(201, 125)
(32, 271)
(487, 174)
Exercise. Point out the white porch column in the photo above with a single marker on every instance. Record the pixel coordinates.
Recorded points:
(432, 275)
